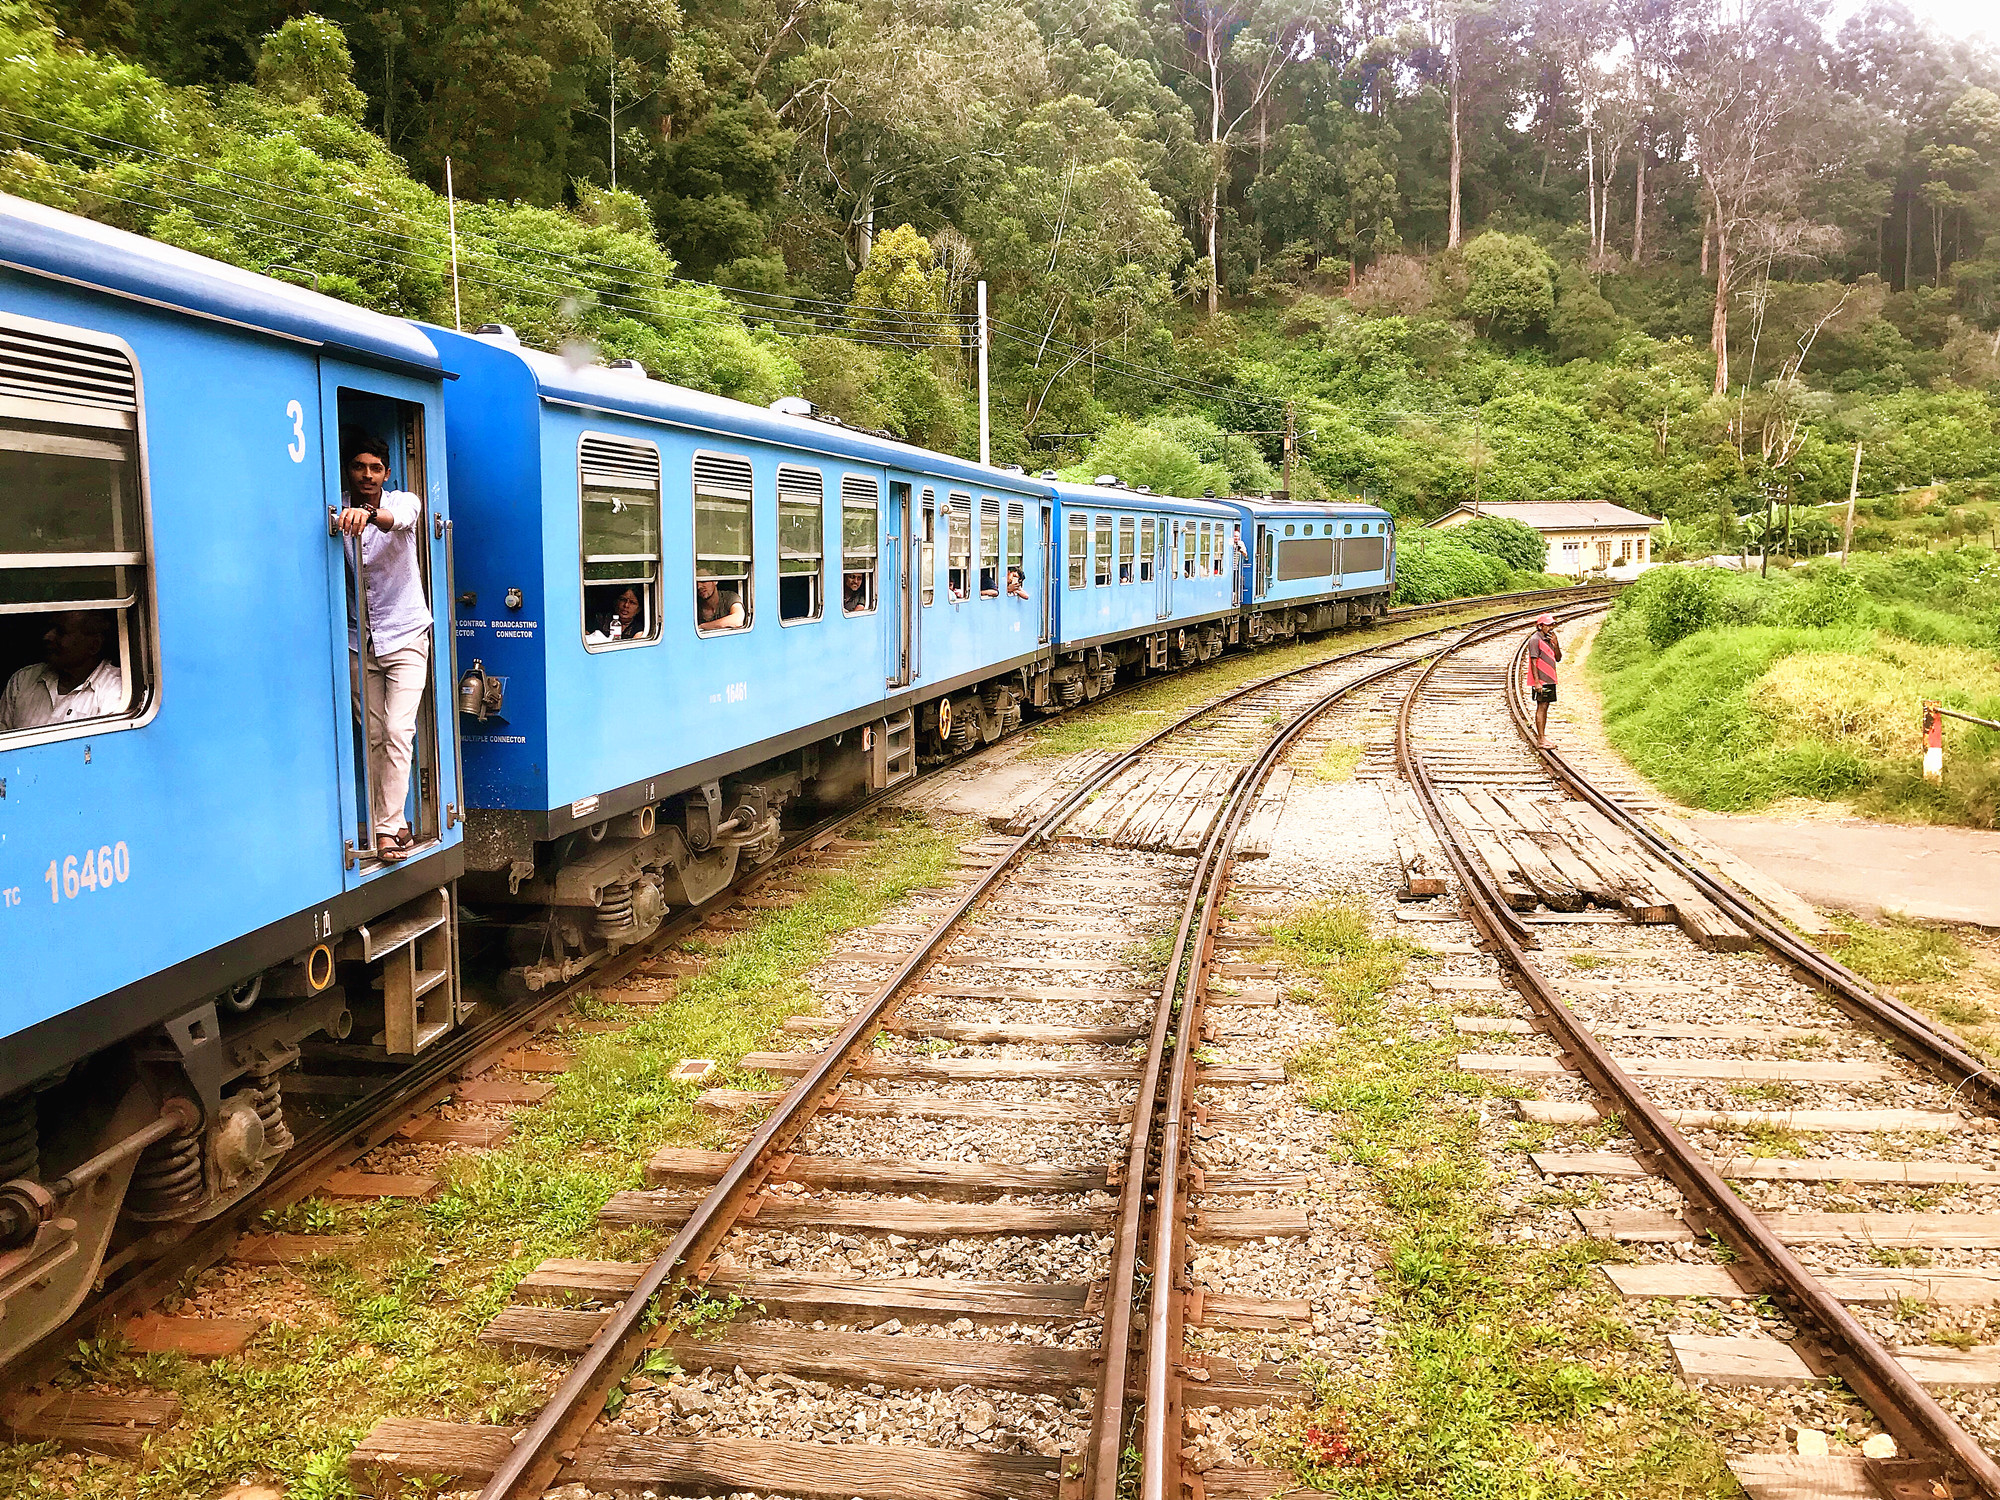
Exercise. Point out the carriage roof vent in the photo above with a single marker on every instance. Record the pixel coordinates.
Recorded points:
(627, 367)
(500, 333)
(1145, 489)
(1208, 494)
(1012, 469)
(1106, 481)
(794, 406)
(1048, 474)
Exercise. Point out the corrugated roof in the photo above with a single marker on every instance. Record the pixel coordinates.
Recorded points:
(1557, 515)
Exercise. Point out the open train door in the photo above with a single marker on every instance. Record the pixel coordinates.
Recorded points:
(899, 584)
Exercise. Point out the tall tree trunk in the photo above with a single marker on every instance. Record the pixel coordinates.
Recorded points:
(1707, 229)
(1909, 239)
(1590, 184)
(1215, 188)
(1718, 328)
(1455, 233)
(1639, 199)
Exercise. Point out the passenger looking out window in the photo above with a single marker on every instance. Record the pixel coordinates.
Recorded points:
(724, 559)
(989, 548)
(394, 640)
(860, 508)
(1016, 584)
(74, 680)
(626, 622)
(854, 593)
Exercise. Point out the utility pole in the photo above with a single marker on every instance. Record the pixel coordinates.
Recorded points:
(614, 119)
(985, 431)
(1291, 442)
(1853, 489)
(1764, 562)
(451, 209)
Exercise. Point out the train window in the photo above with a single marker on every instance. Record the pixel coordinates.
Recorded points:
(929, 564)
(1149, 543)
(724, 545)
(1266, 562)
(1346, 530)
(860, 532)
(1187, 550)
(1128, 562)
(958, 545)
(1079, 549)
(1017, 540)
(74, 643)
(801, 543)
(1101, 554)
(989, 547)
(1307, 557)
(1288, 531)
(1202, 551)
(618, 488)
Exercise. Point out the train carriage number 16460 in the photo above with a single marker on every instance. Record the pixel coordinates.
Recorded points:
(93, 870)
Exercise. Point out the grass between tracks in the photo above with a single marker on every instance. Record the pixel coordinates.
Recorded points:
(1130, 717)
(1511, 1372)
(390, 1327)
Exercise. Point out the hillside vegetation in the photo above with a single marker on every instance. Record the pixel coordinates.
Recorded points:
(1731, 692)
(1201, 226)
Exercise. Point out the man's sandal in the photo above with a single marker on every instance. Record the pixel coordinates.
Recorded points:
(392, 847)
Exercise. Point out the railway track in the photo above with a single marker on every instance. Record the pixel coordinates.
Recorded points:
(390, 1107)
(1776, 1131)
(1034, 1154)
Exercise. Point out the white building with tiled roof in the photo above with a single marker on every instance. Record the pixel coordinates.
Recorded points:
(1584, 536)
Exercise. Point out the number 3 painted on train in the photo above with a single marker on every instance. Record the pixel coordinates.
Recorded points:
(297, 447)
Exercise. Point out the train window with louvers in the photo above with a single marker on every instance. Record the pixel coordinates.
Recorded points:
(724, 544)
(1101, 576)
(1149, 541)
(76, 641)
(860, 543)
(1079, 549)
(618, 492)
(1187, 549)
(1017, 545)
(929, 564)
(958, 545)
(1128, 549)
(989, 547)
(801, 543)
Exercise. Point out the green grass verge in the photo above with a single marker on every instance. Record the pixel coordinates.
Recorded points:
(1512, 1374)
(391, 1327)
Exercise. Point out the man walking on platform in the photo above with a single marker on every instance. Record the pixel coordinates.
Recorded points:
(1544, 651)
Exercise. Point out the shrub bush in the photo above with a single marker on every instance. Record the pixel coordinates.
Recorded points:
(1515, 543)
(1436, 565)
(1676, 603)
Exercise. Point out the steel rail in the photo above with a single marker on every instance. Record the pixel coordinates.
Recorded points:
(1907, 1029)
(534, 1461)
(1919, 1425)
(1160, 1448)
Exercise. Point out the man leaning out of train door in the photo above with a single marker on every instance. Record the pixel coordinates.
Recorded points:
(395, 657)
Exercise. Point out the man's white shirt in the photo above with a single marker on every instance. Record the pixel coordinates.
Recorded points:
(33, 701)
(398, 610)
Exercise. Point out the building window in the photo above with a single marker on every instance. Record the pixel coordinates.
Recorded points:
(1079, 549)
(724, 546)
(618, 493)
(73, 548)
(801, 543)
(1128, 547)
(1149, 543)
(1102, 553)
(860, 545)
(958, 545)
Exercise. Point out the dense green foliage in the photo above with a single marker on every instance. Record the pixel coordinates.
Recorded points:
(1191, 218)
(1435, 565)
(1732, 691)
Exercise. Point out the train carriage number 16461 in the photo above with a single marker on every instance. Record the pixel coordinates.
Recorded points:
(93, 870)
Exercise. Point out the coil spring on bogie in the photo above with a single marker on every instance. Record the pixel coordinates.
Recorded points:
(269, 1100)
(1070, 690)
(613, 917)
(168, 1177)
(20, 1139)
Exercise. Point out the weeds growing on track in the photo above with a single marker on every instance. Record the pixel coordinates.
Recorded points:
(390, 1327)
(1337, 763)
(1512, 1373)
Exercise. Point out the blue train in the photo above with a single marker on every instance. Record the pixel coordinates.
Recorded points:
(662, 623)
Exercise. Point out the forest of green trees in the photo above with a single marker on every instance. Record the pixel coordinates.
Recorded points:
(1666, 252)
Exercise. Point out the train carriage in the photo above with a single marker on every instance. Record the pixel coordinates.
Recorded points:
(190, 883)
(682, 614)
(1312, 566)
(1146, 582)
